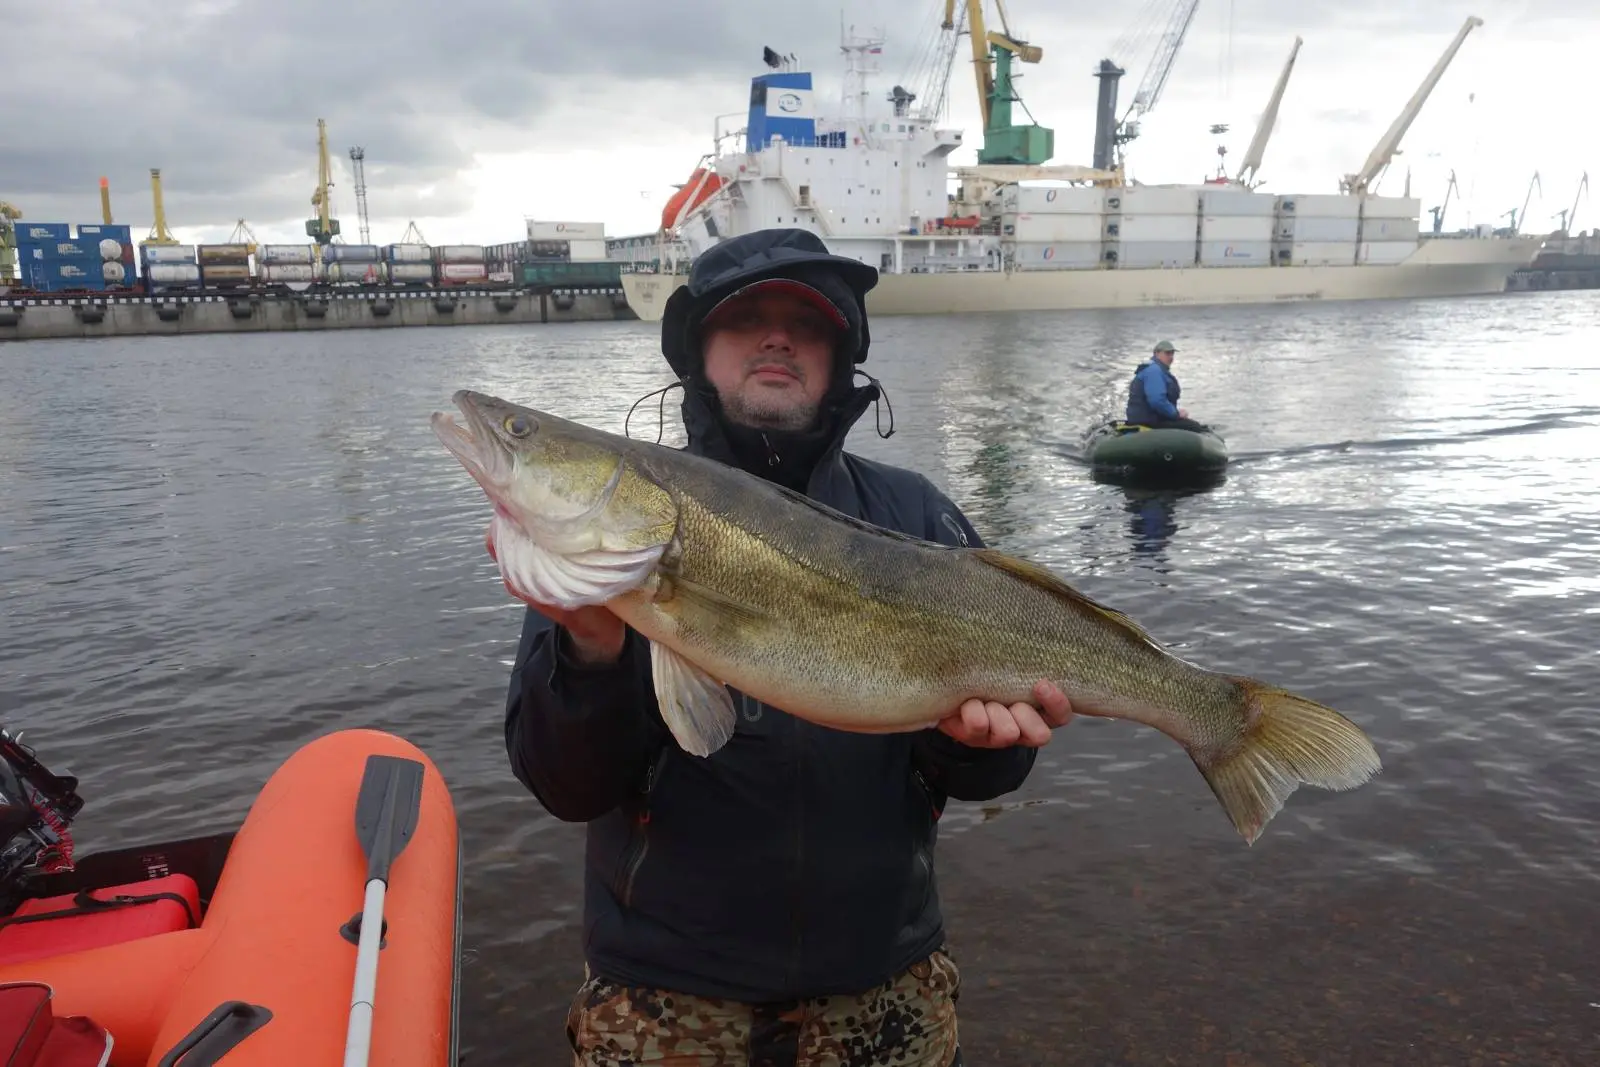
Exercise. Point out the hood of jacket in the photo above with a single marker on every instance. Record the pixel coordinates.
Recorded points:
(787, 457)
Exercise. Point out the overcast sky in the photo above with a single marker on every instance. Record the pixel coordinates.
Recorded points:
(476, 114)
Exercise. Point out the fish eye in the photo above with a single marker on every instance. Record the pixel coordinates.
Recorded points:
(518, 425)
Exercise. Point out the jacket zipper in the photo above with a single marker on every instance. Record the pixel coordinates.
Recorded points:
(639, 845)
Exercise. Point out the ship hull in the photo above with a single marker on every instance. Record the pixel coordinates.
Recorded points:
(1439, 268)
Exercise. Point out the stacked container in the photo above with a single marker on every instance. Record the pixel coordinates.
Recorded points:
(170, 267)
(286, 264)
(118, 268)
(1152, 226)
(1320, 230)
(224, 266)
(50, 259)
(409, 264)
(353, 264)
(1236, 228)
(579, 242)
(1389, 229)
(1053, 228)
(460, 264)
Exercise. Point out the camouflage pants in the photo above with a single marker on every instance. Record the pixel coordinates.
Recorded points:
(909, 1021)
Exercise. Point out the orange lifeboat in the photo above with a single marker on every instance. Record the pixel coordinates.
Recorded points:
(241, 949)
(694, 192)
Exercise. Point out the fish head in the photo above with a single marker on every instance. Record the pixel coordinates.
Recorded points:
(565, 495)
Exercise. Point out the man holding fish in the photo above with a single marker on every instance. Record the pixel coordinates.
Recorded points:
(774, 903)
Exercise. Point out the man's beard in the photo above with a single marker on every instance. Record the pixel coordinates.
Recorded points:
(773, 414)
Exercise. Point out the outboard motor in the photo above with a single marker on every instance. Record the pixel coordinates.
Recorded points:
(36, 808)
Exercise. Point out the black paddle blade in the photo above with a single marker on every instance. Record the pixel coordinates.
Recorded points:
(386, 810)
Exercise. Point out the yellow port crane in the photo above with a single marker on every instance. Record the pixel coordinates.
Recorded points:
(159, 234)
(105, 202)
(8, 242)
(1003, 141)
(243, 235)
(324, 228)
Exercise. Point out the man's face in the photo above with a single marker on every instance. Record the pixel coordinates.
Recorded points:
(1165, 357)
(770, 357)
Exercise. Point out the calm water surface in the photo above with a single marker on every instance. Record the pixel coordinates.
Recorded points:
(215, 549)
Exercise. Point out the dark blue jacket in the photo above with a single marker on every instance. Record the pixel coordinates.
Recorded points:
(1153, 393)
(796, 861)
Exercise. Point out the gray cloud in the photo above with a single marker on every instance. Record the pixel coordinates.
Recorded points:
(224, 95)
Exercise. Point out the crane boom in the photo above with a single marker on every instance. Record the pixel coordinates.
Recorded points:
(1003, 140)
(1361, 181)
(1155, 79)
(1269, 118)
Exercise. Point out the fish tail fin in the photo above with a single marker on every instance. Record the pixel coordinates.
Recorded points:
(1288, 740)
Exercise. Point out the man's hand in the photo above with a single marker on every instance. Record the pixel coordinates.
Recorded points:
(987, 724)
(597, 635)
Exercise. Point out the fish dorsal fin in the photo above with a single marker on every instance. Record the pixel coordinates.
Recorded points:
(1041, 578)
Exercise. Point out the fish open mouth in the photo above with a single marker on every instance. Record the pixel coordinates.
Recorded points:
(477, 448)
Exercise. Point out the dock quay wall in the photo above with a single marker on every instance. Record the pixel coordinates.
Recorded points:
(38, 317)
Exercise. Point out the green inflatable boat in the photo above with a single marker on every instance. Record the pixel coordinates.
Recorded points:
(1169, 454)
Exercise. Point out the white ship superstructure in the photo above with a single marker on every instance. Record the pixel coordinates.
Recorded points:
(875, 186)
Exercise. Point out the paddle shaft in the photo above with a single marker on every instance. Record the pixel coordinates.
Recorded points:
(358, 1039)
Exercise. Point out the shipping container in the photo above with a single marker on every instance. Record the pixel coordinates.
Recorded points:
(573, 275)
(1231, 202)
(355, 273)
(549, 250)
(1153, 200)
(408, 253)
(1052, 200)
(458, 254)
(1318, 254)
(1040, 255)
(1385, 253)
(586, 251)
(222, 255)
(280, 273)
(1050, 229)
(1152, 227)
(56, 274)
(37, 232)
(112, 231)
(1237, 227)
(1320, 205)
(1390, 207)
(410, 273)
(1151, 253)
(1382, 229)
(1236, 253)
(113, 272)
(501, 277)
(350, 254)
(168, 253)
(47, 250)
(225, 273)
(566, 231)
(462, 273)
(1318, 230)
(173, 274)
(283, 254)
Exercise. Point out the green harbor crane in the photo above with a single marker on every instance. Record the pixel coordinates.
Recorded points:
(324, 228)
(992, 53)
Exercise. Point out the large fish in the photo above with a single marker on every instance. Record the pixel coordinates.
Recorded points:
(738, 582)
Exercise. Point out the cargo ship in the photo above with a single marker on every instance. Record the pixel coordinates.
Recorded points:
(876, 188)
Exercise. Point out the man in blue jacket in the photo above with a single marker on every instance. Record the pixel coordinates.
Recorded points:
(774, 903)
(1153, 393)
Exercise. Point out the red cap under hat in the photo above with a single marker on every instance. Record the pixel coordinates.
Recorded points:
(801, 290)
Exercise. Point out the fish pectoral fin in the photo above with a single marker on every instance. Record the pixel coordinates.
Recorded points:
(1036, 575)
(696, 707)
(712, 600)
(568, 580)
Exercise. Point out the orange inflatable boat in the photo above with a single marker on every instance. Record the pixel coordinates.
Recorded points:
(239, 949)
